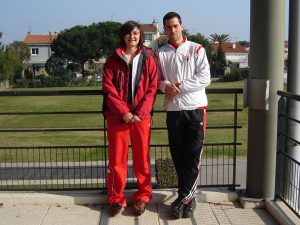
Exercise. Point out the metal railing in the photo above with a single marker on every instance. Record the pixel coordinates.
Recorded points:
(288, 153)
(84, 166)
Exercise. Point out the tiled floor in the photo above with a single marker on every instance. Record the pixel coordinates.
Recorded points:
(156, 214)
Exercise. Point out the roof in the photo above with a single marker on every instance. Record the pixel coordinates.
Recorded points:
(39, 39)
(149, 27)
(163, 36)
(229, 47)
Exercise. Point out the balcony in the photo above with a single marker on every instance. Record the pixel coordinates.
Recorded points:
(77, 169)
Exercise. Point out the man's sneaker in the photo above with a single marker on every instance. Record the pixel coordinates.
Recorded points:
(118, 208)
(139, 207)
(177, 208)
(189, 209)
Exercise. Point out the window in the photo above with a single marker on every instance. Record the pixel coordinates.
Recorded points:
(148, 37)
(34, 51)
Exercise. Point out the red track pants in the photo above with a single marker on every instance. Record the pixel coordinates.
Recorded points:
(119, 136)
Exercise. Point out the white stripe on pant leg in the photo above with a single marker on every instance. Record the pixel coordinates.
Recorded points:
(192, 194)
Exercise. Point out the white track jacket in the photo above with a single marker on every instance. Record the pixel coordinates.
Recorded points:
(188, 65)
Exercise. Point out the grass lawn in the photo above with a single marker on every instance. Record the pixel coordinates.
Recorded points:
(94, 103)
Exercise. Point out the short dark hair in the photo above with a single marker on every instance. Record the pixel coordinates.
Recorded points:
(126, 28)
(171, 15)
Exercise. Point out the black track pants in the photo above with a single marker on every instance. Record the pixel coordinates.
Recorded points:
(186, 135)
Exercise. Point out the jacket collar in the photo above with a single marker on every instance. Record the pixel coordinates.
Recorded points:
(176, 45)
(120, 50)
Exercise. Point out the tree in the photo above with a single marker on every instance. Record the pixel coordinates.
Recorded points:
(109, 37)
(162, 40)
(245, 43)
(10, 63)
(201, 39)
(21, 48)
(82, 43)
(1, 34)
(73, 44)
(12, 58)
(56, 66)
(1, 46)
(219, 64)
(185, 32)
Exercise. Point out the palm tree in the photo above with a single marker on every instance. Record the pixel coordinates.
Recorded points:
(219, 37)
(219, 63)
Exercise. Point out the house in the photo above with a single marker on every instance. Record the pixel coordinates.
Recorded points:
(151, 35)
(235, 53)
(40, 52)
(95, 66)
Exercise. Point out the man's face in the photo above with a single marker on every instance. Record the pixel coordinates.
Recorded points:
(173, 29)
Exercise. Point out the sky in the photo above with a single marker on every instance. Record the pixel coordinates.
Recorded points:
(17, 17)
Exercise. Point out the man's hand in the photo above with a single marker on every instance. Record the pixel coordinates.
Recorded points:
(172, 90)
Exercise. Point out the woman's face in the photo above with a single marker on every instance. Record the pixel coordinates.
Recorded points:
(132, 39)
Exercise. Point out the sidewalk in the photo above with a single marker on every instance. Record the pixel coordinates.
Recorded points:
(60, 209)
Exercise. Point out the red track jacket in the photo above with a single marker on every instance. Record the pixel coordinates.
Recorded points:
(115, 85)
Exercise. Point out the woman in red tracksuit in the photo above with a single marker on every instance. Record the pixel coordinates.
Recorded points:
(129, 86)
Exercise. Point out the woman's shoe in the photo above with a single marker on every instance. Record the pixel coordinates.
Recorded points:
(118, 208)
(139, 207)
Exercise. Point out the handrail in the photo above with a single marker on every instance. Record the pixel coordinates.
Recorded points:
(99, 92)
(287, 164)
(289, 95)
(39, 167)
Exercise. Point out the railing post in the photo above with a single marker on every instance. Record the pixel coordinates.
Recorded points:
(235, 139)
(281, 140)
(281, 126)
(105, 151)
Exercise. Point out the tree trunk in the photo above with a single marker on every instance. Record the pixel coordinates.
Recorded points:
(82, 69)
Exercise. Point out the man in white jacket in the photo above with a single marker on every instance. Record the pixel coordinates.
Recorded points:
(184, 72)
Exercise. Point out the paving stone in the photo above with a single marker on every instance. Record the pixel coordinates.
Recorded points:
(22, 215)
(128, 217)
(220, 214)
(73, 214)
(238, 216)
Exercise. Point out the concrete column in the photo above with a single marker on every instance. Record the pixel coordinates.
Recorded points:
(293, 81)
(293, 108)
(265, 79)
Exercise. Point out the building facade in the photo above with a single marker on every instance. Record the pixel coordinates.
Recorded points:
(151, 35)
(235, 53)
(40, 52)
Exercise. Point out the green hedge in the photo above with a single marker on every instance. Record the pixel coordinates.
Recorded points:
(236, 74)
(58, 81)
(165, 173)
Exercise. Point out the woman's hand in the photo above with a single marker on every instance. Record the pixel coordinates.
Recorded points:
(136, 119)
(131, 118)
(128, 117)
